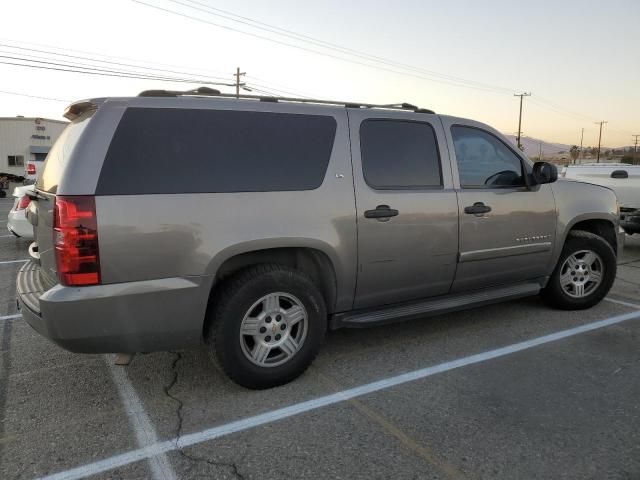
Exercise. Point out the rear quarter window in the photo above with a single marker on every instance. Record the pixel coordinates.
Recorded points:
(167, 150)
(58, 157)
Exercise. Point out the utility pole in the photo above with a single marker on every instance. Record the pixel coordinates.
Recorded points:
(635, 147)
(238, 84)
(581, 138)
(521, 95)
(599, 139)
(540, 152)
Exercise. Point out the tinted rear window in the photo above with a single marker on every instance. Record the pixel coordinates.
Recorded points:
(58, 157)
(196, 151)
(398, 154)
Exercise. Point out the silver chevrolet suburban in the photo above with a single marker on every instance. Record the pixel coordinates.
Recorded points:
(255, 224)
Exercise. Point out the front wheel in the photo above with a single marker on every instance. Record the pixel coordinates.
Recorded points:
(584, 274)
(268, 324)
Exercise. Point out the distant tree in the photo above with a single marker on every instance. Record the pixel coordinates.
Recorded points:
(574, 151)
(593, 151)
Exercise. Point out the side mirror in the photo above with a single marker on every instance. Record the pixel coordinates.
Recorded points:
(544, 172)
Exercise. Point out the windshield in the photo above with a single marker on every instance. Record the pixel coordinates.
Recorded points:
(59, 155)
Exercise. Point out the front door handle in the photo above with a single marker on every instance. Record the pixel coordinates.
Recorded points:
(477, 208)
(381, 212)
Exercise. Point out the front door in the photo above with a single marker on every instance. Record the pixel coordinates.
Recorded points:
(407, 210)
(507, 229)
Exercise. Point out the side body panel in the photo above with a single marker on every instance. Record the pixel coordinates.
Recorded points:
(579, 202)
(145, 237)
(412, 255)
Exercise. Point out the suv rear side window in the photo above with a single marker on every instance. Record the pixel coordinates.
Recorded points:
(399, 154)
(58, 157)
(484, 161)
(171, 150)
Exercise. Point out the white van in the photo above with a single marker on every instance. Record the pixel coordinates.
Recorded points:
(622, 178)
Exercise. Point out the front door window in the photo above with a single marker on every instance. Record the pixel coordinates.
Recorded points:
(484, 161)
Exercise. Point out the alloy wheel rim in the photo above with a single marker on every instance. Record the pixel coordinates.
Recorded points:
(273, 329)
(581, 273)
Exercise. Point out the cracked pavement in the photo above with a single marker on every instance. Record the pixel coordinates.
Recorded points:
(563, 410)
(193, 471)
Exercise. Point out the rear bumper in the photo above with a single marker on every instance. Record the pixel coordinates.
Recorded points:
(129, 317)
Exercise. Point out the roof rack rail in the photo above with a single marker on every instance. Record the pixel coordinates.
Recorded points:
(202, 91)
(210, 92)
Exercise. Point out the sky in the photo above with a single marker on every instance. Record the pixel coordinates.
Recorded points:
(579, 59)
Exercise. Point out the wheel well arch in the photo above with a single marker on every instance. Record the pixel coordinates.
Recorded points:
(311, 261)
(600, 227)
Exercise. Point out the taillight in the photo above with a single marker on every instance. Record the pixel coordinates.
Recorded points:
(31, 169)
(23, 202)
(75, 239)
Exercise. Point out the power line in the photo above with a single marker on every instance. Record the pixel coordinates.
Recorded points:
(35, 96)
(325, 44)
(276, 88)
(93, 70)
(112, 57)
(94, 60)
(369, 65)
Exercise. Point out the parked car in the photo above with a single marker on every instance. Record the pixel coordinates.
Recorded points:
(31, 170)
(11, 177)
(255, 224)
(623, 179)
(17, 222)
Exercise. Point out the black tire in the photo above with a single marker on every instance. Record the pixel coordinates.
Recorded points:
(233, 301)
(578, 240)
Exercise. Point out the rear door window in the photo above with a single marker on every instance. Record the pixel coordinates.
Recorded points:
(399, 154)
(170, 150)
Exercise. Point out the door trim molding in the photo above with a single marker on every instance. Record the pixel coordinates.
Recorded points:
(489, 253)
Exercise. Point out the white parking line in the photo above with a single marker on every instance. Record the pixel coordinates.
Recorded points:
(14, 261)
(302, 407)
(5, 236)
(10, 317)
(146, 435)
(622, 302)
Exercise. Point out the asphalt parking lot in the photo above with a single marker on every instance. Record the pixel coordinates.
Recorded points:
(510, 391)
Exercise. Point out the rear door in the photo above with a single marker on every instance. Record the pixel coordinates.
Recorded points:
(506, 228)
(407, 213)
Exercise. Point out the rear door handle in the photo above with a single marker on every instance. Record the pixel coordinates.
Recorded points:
(381, 212)
(477, 208)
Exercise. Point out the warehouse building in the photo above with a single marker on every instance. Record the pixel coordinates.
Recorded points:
(24, 140)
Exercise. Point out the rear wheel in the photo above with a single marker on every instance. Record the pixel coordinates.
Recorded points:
(584, 273)
(268, 324)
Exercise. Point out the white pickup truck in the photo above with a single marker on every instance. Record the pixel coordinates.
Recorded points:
(622, 178)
